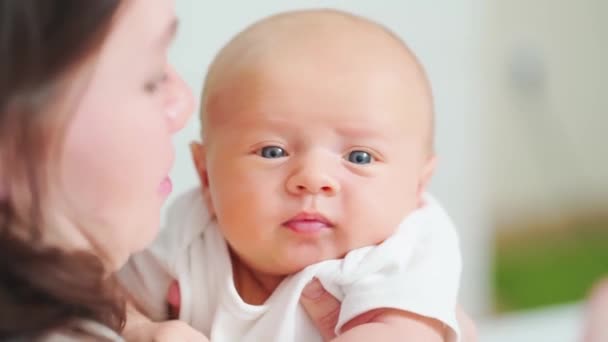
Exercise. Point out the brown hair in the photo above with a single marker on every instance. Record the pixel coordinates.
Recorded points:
(44, 288)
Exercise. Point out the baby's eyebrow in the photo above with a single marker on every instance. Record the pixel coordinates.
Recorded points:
(361, 132)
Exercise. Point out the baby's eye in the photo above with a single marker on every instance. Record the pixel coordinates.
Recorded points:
(360, 157)
(272, 152)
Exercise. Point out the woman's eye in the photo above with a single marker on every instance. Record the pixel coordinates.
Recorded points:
(152, 86)
(360, 157)
(272, 152)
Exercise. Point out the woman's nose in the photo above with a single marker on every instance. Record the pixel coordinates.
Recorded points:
(180, 101)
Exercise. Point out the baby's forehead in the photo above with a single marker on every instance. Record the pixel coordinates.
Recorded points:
(346, 71)
(315, 36)
(285, 90)
(285, 104)
(339, 47)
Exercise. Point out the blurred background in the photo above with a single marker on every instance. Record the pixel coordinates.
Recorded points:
(522, 114)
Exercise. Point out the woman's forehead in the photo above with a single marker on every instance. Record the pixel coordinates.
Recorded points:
(147, 24)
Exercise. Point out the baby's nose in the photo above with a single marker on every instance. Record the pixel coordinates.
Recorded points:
(312, 182)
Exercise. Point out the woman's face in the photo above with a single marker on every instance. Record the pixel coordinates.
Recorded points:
(117, 151)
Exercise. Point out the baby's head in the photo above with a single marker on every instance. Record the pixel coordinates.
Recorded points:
(317, 130)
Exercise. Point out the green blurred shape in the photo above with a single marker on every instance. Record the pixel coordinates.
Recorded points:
(552, 268)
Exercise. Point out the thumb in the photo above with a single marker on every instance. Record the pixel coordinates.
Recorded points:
(322, 308)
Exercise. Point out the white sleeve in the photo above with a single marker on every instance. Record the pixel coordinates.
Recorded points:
(415, 270)
(147, 275)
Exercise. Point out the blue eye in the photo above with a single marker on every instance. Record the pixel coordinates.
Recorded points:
(272, 152)
(360, 157)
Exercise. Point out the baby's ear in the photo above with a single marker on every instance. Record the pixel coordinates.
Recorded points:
(428, 169)
(198, 154)
(199, 157)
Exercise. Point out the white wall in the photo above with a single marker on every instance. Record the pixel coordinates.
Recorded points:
(443, 34)
(549, 147)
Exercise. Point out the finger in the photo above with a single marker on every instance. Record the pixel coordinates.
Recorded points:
(170, 331)
(322, 308)
(174, 300)
(467, 326)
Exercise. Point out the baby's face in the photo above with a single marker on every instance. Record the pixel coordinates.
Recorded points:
(304, 165)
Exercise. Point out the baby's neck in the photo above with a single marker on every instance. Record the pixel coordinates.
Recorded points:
(254, 287)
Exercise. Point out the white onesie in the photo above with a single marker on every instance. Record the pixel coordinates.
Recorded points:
(417, 270)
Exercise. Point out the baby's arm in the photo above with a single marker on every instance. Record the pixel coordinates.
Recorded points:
(323, 310)
(392, 325)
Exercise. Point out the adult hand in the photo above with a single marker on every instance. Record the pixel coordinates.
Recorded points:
(140, 328)
(163, 332)
(323, 309)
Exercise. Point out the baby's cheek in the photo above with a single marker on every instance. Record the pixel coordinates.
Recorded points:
(383, 224)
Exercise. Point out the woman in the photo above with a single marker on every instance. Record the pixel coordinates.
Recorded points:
(88, 106)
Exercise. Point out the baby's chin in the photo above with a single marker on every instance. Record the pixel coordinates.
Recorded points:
(296, 261)
(297, 258)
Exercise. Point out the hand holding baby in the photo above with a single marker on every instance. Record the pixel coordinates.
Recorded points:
(164, 332)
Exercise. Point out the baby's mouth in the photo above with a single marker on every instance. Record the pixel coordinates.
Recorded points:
(308, 223)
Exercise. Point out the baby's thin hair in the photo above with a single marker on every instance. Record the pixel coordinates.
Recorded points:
(236, 51)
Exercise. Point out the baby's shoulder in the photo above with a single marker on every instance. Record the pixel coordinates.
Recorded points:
(187, 218)
(430, 221)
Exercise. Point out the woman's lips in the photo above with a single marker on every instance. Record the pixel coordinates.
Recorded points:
(166, 187)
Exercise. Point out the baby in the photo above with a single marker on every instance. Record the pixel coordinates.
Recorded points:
(317, 151)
